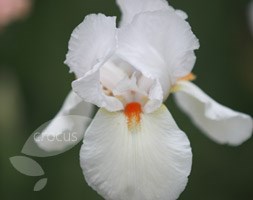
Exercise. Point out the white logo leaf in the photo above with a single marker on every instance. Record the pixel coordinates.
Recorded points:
(40, 184)
(26, 166)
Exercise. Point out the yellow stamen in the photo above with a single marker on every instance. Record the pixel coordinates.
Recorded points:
(188, 77)
(175, 88)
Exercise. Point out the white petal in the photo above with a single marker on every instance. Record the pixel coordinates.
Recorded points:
(73, 118)
(127, 84)
(130, 8)
(159, 44)
(109, 70)
(91, 43)
(74, 105)
(152, 162)
(220, 123)
(182, 14)
(90, 89)
(155, 97)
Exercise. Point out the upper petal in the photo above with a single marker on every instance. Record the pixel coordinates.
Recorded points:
(130, 8)
(220, 123)
(160, 44)
(91, 43)
(152, 162)
(73, 118)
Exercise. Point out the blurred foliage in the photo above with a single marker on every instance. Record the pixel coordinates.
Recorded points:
(34, 82)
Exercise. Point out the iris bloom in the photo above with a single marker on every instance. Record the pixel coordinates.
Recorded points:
(133, 148)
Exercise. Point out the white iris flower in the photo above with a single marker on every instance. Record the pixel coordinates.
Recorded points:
(133, 148)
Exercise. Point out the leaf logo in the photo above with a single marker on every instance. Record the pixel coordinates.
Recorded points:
(29, 167)
(58, 141)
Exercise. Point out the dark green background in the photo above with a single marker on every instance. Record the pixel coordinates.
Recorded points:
(34, 82)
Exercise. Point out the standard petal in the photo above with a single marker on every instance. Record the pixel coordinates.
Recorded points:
(220, 123)
(70, 122)
(152, 162)
(91, 43)
(160, 44)
(130, 8)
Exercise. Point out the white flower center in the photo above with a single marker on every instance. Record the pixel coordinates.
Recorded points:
(122, 81)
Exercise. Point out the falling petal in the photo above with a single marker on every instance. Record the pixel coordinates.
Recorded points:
(136, 156)
(218, 122)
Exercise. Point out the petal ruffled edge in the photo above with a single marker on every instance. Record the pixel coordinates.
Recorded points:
(91, 44)
(160, 45)
(131, 8)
